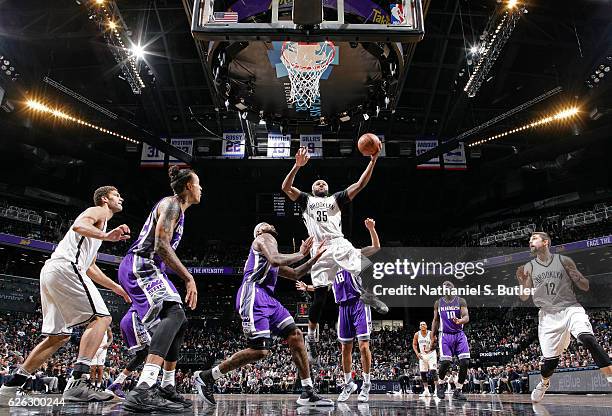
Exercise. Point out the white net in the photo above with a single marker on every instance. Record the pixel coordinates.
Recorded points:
(305, 63)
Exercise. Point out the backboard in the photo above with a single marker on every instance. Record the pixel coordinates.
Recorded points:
(342, 20)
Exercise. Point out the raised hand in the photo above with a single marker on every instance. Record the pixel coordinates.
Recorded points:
(302, 157)
(301, 286)
(321, 249)
(306, 246)
(191, 298)
(521, 275)
(374, 156)
(369, 223)
(118, 234)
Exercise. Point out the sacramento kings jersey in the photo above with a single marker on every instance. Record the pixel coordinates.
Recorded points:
(345, 287)
(258, 270)
(424, 342)
(76, 248)
(447, 311)
(144, 246)
(323, 215)
(553, 286)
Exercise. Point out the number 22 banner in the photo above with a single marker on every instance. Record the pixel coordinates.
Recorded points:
(314, 144)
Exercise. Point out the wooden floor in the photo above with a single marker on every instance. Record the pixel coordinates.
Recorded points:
(379, 405)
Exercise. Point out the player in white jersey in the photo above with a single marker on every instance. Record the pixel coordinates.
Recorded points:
(428, 358)
(553, 277)
(96, 372)
(322, 214)
(69, 298)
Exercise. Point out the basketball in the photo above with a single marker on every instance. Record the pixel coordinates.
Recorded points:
(369, 144)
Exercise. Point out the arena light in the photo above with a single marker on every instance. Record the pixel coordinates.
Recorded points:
(40, 107)
(138, 51)
(512, 3)
(561, 115)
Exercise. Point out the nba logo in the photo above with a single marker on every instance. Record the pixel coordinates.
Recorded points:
(397, 14)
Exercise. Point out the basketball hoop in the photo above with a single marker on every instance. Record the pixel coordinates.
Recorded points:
(305, 63)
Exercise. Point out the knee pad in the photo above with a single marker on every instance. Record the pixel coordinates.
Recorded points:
(175, 347)
(316, 308)
(597, 352)
(288, 331)
(548, 367)
(463, 367)
(424, 376)
(172, 319)
(261, 343)
(444, 367)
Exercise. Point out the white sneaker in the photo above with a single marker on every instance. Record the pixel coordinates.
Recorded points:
(348, 389)
(364, 394)
(6, 394)
(425, 393)
(538, 393)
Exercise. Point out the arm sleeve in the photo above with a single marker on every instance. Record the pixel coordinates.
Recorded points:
(342, 197)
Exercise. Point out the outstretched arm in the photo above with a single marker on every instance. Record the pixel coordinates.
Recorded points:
(375, 245)
(169, 213)
(355, 188)
(579, 280)
(269, 247)
(86, 226)
(303, 287)
(301, 158)
(297, 273)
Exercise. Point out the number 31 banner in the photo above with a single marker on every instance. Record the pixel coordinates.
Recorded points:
(314, 144)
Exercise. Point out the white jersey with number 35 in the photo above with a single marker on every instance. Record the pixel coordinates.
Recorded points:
(323, 215)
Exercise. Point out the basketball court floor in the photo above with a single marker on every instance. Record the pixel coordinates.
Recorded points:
(284, 405)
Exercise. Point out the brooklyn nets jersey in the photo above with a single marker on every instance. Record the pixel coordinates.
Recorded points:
(424, 342)
(323, 215)
(76, 248)
(553, 286)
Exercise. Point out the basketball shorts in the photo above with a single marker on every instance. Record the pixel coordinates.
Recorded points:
(68, 298)
(133, 331)
(340, 254)
(354, 320)
(100, 357)
(429, 361)
(453, 344)
(262, 315)
(555, 329)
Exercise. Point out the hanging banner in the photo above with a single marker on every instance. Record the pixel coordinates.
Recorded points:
(423, 146)
(233, 145)
(455, 159)
(314, 144)
(186, 145)
(279, 145)
(151, 157)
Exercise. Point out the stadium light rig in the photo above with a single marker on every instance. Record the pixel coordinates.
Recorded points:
(40, 107)
(493, 40)
(561, 115)
(109, 20)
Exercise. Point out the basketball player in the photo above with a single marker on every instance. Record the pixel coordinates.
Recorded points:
(354, 320)
(262, 315)
(137, 339)
(96, 374)
(323, 218)
(450, 314)
(553, 278)
(428, 359)
(69, 298)
(155, 299)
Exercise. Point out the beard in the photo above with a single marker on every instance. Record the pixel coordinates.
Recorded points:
(321, 193)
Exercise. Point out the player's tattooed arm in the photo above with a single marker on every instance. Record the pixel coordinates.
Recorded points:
(465, 315)
(299, 272)
(269, 247)
(579, 280)
(435, 323)
(523, 275)
(355, 188)
(301, 158)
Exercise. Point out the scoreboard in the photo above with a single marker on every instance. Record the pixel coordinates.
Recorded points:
(302, 310)
(277, 205)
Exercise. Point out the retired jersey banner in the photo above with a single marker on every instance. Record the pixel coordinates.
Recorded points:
(279, 145)
(423, 146)
(151, 157)
(313, 143)
(455, 159)
(233, 145)
(186, 145)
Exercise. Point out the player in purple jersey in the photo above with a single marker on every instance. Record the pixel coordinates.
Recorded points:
(155, 299)
(450, 314)
(262, 315)
(354, 321)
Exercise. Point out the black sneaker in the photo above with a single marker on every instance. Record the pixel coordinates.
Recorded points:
(204, 383)
(169, 393)
(145, 399)
(441, 390)
(310, 398)
(458, 395)
(371, 299)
